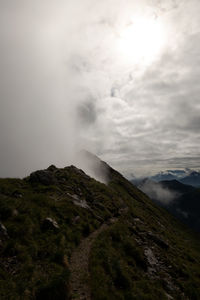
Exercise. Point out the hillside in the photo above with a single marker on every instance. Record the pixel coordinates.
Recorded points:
(177, 186)
(187, 208)
(65, 235)
(179, 199)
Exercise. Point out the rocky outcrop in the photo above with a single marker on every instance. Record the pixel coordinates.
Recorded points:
(151, 259)
(43, 177)
(52, 168)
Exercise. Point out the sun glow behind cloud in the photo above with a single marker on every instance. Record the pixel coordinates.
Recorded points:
(142, 40)
(111, 77)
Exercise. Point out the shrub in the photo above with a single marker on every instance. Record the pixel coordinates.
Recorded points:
(136, 253)
(121, 278)
(56, 289)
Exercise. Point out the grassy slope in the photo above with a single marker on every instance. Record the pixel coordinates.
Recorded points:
(118, 265)
(34, 262)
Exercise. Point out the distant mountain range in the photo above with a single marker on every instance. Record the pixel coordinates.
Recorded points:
(169, 175)
(186, 176)
(192, 179)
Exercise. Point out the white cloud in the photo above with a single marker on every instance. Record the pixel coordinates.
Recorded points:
(64, 86)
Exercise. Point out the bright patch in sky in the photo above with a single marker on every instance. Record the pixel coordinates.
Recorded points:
(119, 78)
(142, 40)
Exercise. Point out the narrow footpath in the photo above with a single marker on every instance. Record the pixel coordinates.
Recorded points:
(79, 265)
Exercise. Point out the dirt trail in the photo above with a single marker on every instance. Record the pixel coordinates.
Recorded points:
(79, 266)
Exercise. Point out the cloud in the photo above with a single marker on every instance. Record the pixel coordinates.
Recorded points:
(64, 86)
(157, 192)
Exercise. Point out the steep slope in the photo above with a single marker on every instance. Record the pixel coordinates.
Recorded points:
(187, 208)
(66, 236)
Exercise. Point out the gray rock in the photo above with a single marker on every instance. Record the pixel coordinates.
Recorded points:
(50, 223)
(169, 297)
(75, 197)
(78, 201)
(3, 231)
(150, 257)
(152, 261)
(137, 220)
(81, 203)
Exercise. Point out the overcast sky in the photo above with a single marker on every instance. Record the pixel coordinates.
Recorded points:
(69, 79)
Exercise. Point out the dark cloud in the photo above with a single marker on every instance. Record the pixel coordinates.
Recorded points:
(87, 113)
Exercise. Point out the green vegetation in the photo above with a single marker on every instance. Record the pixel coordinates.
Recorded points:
(47, 215)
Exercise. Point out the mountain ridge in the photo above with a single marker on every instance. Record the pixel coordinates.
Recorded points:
(47, 216)
(187, 176)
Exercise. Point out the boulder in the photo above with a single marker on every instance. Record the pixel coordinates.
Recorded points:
(50, 223)
(81, 203)
(3, 231)
(52, 168)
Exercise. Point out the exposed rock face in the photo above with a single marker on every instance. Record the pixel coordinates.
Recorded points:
(43, 177)
(152, 261)
(49, 223)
